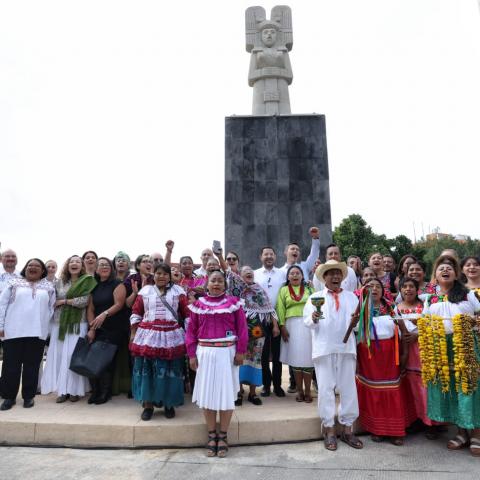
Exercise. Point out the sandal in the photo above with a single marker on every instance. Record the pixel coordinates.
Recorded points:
(300, 397)
(239, 401)
(308, 399)
(475, 446)
(351, 440)
(376, 438)
(397, 441)
(254, 399)
(212, 449)
(330, 442)
(457, 443)
(222, 449)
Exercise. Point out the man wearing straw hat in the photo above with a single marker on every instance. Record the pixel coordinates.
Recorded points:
(328, 314)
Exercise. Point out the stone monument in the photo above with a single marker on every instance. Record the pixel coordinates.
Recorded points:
(270, 74)
(276, 163)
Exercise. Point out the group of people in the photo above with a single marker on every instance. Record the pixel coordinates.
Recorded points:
(342, 329)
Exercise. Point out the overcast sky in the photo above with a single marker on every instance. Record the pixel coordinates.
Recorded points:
(112, 117)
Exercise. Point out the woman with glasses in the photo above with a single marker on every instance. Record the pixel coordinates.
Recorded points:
(233, 261)
(108, 320)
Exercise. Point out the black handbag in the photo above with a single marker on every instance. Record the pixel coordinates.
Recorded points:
(91, 359)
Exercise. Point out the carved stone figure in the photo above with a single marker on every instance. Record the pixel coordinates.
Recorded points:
(270, 74)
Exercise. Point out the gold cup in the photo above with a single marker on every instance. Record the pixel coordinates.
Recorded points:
(318, 303)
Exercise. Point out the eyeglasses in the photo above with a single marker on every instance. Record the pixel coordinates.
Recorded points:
(103, 265)
(232, 259)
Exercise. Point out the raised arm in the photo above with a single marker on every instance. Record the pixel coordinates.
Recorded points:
(314, 250)
(168, 254)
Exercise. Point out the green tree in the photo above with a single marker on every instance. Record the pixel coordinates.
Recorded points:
(354, 236)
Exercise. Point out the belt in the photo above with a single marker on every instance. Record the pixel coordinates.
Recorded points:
(203, 343)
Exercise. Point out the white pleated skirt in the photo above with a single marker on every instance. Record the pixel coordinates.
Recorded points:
(57, 376)
(297, 352)
(217, 380)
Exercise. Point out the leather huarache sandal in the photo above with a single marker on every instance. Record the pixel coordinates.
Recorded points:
(330, 442)
(397, 441)
(351, 440)
(475, 446)
(308, 399)
(300, 397)
(212, 443)
(222, 449)
(458, 442)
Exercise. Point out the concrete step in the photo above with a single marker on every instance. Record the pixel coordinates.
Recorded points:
(117, 423)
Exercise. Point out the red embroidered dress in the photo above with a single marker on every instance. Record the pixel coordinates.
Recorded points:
(159, 334)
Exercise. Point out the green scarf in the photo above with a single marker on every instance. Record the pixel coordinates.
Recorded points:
(71, 316)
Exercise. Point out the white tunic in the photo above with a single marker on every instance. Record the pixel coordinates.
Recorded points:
(328, 333)
(448, 310)
(271, 281)
(26, 308)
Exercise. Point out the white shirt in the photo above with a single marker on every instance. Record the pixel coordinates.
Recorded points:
(307, 264)
(271, 281)
(200, 272)
(26, 309)
(350, 283)
(448, 310)
(328, 333)
(5, 277)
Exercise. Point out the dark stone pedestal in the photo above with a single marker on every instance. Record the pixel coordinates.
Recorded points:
(276, 184)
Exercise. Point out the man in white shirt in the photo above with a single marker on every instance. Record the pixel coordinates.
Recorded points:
(206, 255)
(271, 279)
(350, 283)
(334, 361)
(9, 262)
(293, 254)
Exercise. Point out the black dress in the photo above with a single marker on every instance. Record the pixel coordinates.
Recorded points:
(115, 328)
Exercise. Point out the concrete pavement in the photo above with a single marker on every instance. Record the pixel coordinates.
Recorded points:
(417, 459)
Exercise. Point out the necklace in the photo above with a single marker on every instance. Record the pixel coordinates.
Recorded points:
(294, 296)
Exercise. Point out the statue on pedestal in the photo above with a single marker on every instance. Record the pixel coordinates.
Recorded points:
(270, 74)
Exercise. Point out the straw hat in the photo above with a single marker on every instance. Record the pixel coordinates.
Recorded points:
(331, 265)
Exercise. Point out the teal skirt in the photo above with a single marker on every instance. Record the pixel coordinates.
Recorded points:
(158, 381)
(452, 407)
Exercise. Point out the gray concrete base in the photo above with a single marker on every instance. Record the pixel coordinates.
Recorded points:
(118, 424)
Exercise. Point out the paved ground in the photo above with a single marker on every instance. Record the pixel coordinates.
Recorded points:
(418, 459)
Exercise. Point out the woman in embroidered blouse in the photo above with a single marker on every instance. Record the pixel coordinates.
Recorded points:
(26, 306)
(216, 341)
(410, 310)
(158, 344)
(68, 324)
(417, 271)
(380, 398)
(296, 346)
(455, 407)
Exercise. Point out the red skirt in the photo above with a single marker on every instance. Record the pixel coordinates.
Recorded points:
(380, 398)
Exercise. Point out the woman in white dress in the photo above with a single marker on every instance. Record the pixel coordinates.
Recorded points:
(68, 324)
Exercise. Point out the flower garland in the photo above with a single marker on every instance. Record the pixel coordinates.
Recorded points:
(432, 344)
(466, 364)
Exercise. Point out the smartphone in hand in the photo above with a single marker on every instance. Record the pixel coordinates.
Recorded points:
(217, 247)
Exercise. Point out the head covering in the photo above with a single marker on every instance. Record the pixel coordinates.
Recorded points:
(331, 265)
(121, 254)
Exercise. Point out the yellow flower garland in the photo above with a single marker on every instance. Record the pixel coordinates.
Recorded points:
(465, 361)
(432, 344)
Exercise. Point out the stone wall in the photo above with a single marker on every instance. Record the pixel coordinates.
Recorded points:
(276, 183)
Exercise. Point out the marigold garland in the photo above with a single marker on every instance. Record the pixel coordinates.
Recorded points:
(432, 344)
(466, 364)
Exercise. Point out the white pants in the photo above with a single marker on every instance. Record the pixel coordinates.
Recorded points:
(337, 371)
